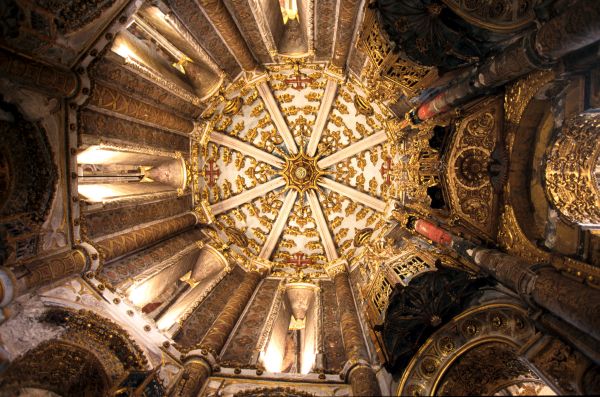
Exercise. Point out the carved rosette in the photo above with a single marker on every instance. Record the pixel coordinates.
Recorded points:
(301, 172)
(573, 170)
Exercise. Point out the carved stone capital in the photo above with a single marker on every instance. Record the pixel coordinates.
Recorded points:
(336, 267)
(259, 265)
(203, 213)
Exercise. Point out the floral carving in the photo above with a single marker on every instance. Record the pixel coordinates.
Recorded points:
(470, 166)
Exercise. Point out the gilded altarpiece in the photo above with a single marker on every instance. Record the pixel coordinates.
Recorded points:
(469, 165)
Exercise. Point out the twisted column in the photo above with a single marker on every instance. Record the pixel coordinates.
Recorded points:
(362, 377)
(224, 324)
(117, 246)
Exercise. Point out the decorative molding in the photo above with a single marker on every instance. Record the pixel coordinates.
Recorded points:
(247, 149)
(278, 119)
(572, 171)
(247, 195)
(278, 225)
(473, 196)
(355, 148)
(353, 194)
(493, 322)
(336, 267)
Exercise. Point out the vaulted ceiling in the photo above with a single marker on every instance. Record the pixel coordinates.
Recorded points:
(294, 158)
(294, 164)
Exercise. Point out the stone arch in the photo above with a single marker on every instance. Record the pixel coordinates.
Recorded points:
(419, 309)
(91, 328)
(489, 368)
(88, 357)
(534, 109)
(521, 166)
(500, 326)
(58, 366)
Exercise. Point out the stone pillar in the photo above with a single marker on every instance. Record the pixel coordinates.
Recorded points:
(225, 25)
(354, 343)
(117, 246)
(345, 30)
(41, 272)
(361, 376)
(572, 171)
(364, 381)
(196, 372)
(553, 325)
(53, 268)
(569, 300)
(574, 302)
(114, 101)
(54, 81)
(217, 336)
(576, 28)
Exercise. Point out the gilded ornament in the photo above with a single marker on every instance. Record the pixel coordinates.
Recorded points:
(572, 164)
(301, 172)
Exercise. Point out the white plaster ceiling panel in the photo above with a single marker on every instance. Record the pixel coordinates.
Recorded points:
(299, 93)
(369, 171)
(254, 219)
(346, 217)
(347, 124)
(227, 172)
